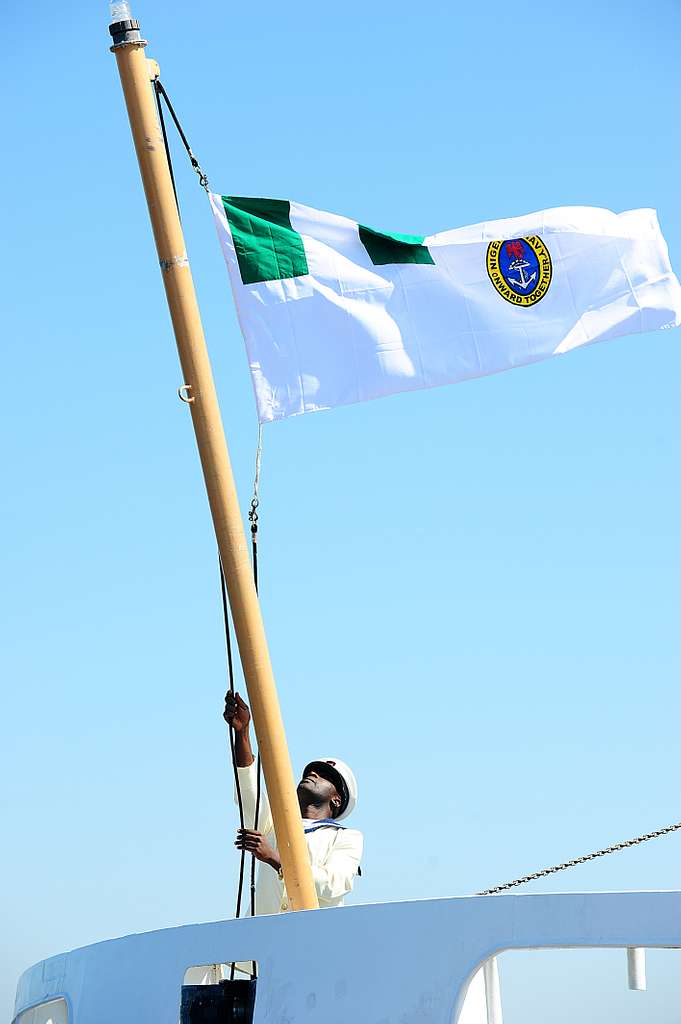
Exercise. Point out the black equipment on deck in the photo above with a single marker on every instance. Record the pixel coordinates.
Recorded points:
(228, 1002)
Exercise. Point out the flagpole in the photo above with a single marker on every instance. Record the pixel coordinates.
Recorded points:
(198, 390)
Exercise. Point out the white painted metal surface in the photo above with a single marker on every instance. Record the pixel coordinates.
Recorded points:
(393, 963)
(636, 969)
(492, 992)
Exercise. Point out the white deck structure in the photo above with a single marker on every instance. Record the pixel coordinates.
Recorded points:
(389, 963)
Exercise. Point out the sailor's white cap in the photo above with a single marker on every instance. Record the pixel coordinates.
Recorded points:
(344, 780)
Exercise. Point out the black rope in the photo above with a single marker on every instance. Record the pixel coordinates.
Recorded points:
(258, 791)
(159, 110)
(237, 783)
(230, 670)
(160, 92)
(253, 518)
(254, 549)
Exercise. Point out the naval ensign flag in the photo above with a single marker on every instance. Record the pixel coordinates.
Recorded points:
(335, 312)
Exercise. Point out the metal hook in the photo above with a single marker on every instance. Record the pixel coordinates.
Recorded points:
(183, 393)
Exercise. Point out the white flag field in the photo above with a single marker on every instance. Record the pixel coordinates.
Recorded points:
(334, 312)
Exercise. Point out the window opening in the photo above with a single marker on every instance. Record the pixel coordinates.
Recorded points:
(54, 1011)
(564, 985)
(219, 992)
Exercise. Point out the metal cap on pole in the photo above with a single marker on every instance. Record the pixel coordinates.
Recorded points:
(199, 389)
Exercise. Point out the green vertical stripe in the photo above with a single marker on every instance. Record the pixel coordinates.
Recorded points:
(267, 247)
(386, 247)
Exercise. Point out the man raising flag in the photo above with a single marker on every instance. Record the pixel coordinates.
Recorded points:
(327, 794)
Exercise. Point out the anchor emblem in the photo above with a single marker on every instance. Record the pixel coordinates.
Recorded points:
(517, 249)
(520, 265)
(520, 269)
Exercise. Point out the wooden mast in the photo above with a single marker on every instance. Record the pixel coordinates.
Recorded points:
(136, 73)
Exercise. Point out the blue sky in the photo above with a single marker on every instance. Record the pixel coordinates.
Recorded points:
(471, 594)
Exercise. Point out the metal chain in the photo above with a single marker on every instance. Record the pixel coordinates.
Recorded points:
(255, 503)
(581, 860)
(253, 517)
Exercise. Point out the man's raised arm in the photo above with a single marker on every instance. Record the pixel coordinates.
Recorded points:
(238, 717)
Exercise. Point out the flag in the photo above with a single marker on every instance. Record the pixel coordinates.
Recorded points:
(334, 312)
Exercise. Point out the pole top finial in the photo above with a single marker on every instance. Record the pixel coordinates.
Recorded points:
(119, 11)
(123, 28)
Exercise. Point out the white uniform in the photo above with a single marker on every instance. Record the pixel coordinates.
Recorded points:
(335, 853)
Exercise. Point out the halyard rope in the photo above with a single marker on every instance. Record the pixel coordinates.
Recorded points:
(230, 673)
(160, 92)
(166, 145)
(255, 502)
(253, 517)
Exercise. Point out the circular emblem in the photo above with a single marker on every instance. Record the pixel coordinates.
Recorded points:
(520, 269)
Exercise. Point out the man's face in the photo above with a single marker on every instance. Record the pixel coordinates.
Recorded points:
(317, 788)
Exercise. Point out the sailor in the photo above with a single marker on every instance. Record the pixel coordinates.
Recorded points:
(327, 793)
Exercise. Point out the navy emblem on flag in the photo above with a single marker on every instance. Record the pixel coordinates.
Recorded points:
(520, 269)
